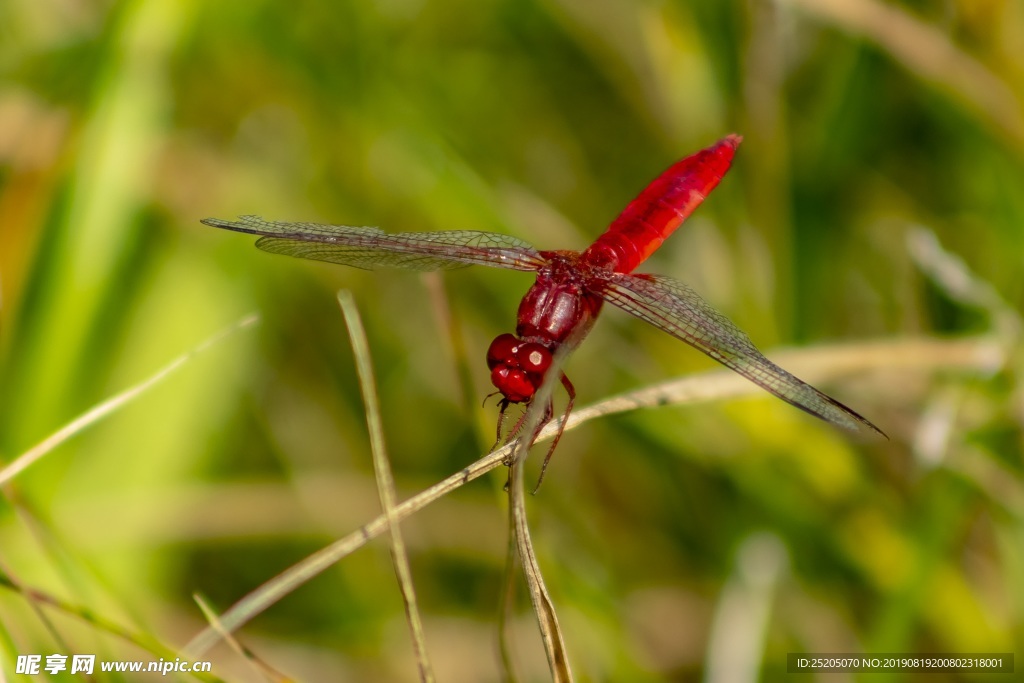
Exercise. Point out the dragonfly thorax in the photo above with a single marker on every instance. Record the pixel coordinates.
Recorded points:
(517, 366)
(558, 308)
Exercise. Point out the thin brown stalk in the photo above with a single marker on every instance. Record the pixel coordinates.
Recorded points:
(385, 481)
(505, 608)
(543, 607)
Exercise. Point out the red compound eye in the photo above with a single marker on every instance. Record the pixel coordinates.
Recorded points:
(513, 384)
(502, 351)
(534, 358)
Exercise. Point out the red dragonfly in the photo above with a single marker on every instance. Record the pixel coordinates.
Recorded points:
(562, 305)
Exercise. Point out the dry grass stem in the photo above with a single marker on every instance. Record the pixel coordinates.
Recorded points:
(385, 480)
(543, 607)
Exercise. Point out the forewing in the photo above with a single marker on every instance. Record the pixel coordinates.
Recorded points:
(673, 307)
(372, 248)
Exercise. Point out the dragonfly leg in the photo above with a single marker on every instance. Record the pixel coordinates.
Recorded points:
(516, 428)
(502, 407)
(571, 390)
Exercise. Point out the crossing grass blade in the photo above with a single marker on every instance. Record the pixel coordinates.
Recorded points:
(385, 481)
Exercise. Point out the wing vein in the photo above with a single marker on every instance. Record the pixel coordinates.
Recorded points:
(370, 248)
(674, 307)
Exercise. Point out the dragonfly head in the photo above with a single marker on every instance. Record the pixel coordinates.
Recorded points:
(517, 366)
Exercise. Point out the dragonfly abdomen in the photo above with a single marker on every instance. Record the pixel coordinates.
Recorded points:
(661, 208)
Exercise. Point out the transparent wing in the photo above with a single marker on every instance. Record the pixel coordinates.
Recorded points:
(372, 248)
(673, 307)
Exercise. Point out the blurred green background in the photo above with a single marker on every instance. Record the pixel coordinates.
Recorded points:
(677, 542)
